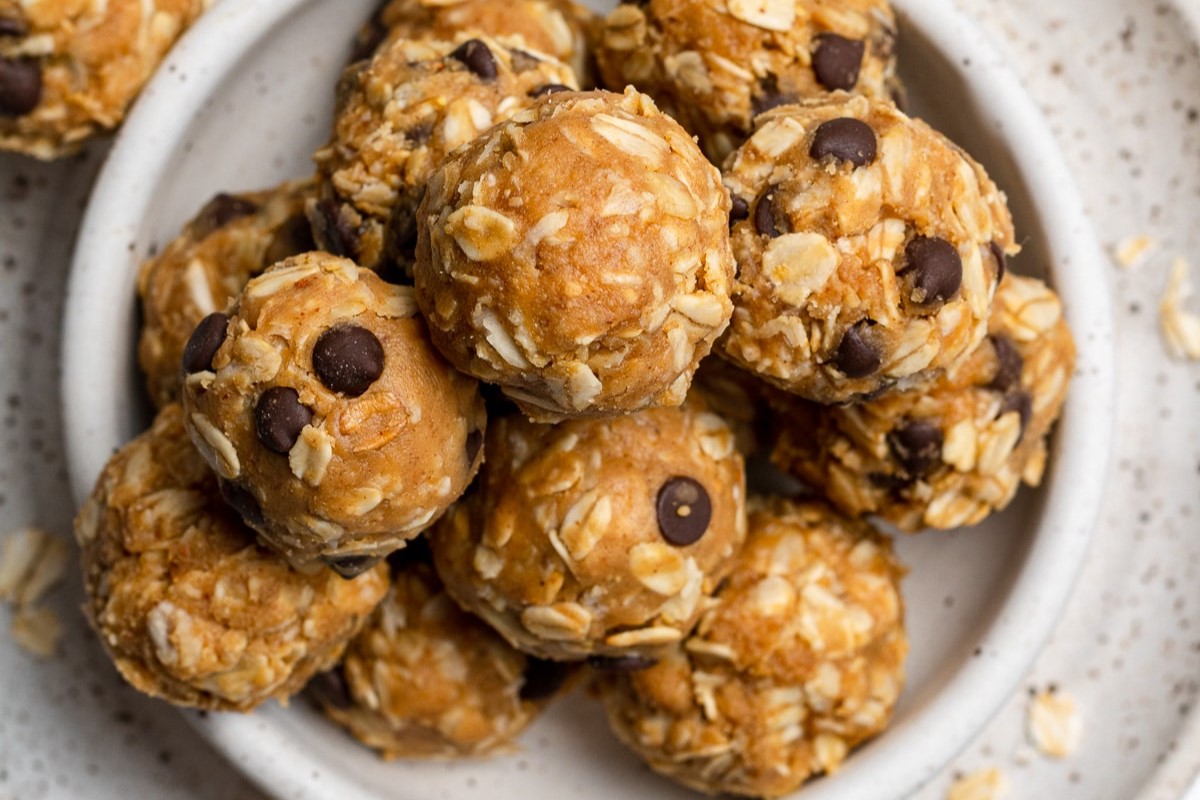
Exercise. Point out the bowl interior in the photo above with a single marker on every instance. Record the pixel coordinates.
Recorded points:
(243, 102)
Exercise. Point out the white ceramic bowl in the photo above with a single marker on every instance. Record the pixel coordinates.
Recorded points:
(242, 102)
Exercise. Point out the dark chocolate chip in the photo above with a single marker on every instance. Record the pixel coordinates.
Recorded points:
(932, 270)
(477, 57)
(739, 210)
(348, 359)
(204, 343)
(770, 96)
(350, 567)
(1009, 365)
(243, 501)
(627, 663)
(331, 230)
(279, 416)
(684, 511)
(291, 238)
(13, 26)
(474, 445)
(764, 214)
(837, 60)
(20, 86)
(550, 88)
(1001, 259)
(420, 133)
(845, 139)
(415, 551)
(220, 211)
(917, 446)
(857, 355)
(1022, 403)
(329, 688)
(543, 679)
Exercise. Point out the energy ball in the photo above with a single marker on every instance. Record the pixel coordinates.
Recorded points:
(424, 679)
(797, 660)
(397, 117)
(578, 256)
(233, 238)
(336, 429)
(69, 70)
(949, 455)
(868, 245)
(596, 537)
(717, 65)
(188, 606)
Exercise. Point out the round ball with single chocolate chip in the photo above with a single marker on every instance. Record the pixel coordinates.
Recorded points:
(397, 117)
(716, 66)
(578, 256)
(425, 679)
(186, 287)
(868, 261)
(337, 430)
(189, 606)
(597, 537)
(951, 453)
(797, 659)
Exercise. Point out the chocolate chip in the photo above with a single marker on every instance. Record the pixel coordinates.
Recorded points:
(474, 445)
(291, 238)
(627, 663)
(243, 501)
(857, 355)
(219, 212)
(845, 139)
(279, 416)
(348, 359)
(331, 230)
(350, 567)
(543, 679)
(917, 446)
(684, 511)
(477, 58)
(550, 88)
(329, 688)
(933, 270)
(764, 214)
(1009, 365)
(20, 86)
(739, 210)
(1022, 403)
(1001, 259)
(13, 26)
(420, 133)
(770, 96)
(204, 343)
(837, 60)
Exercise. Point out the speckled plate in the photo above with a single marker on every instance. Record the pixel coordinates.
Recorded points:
(242, 102)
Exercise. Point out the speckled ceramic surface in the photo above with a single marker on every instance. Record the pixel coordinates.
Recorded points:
(1121, 85)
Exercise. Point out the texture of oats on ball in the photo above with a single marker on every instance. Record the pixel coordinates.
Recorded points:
(69, 70)
(578, 256)
(189, 607)
(714, 66)
(868, 246)
(798, 659)
(397, 117)
(596, 537)
(233, 238)
(950, 454)
(337, 430)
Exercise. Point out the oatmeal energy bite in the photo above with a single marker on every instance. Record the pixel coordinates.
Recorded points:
(596, 537)
(188, 606)
(69, 70)
(397, 117)
(234, 237)
(948, 455)
(578, 256)
(798, 659)
(868, 246)
(424, 679)
(715, 65)
(336, 429)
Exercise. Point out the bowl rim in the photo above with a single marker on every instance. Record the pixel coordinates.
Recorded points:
(916, 749)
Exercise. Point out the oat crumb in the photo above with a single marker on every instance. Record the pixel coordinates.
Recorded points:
(984, 784)
(1053, 725)
(36, 631)
(1180, 328)
(1132, 250)
(32, 561)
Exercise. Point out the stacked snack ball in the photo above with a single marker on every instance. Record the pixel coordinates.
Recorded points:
(233, 238)
(397, 117)
(717, 65)
(951, 454)
(337, 430)
(798, 659)
(69, 70)
(868, 246)
(190, 609)
(596, 537)
(578, 256)
(424, 679)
